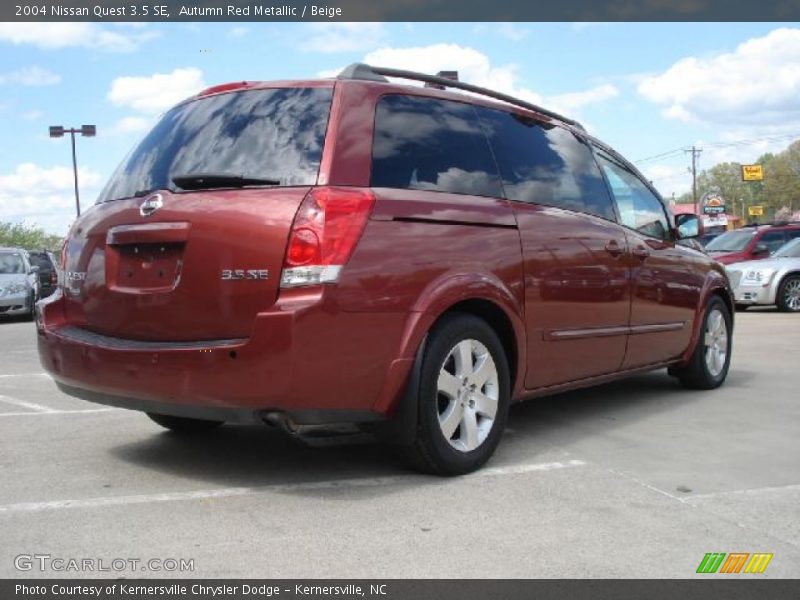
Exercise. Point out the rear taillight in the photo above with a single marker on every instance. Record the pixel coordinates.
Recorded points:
(326, 228)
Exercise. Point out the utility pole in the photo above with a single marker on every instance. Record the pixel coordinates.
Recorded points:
(695, 154)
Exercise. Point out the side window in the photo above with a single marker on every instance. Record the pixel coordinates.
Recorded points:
(430, 144)
(545, 164)
(638, 207)
(772, 239)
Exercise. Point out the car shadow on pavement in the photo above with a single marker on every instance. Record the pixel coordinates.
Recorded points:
(254, 456)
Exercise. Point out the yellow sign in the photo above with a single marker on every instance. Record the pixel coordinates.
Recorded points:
(752, 173)
(755, 211)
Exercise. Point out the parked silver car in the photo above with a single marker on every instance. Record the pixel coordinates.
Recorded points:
(19, 284)
(769, 281)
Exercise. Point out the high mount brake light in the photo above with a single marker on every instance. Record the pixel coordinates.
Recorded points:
(325, 231)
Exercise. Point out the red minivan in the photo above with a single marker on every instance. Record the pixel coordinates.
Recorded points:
(356, 258)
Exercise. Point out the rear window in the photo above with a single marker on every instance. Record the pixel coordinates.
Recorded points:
(41, 260)
(11, 263)
(272, 133)
(431, 144)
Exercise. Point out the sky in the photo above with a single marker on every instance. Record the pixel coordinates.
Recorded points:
(650, 90)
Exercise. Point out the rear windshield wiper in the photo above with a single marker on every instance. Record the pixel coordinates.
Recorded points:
(206, 181)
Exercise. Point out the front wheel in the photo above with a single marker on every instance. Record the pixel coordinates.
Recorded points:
(463, 397)
(789, 294)
(708, 366)
(184, 424)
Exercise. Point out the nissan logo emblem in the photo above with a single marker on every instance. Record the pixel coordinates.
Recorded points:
(150, 205)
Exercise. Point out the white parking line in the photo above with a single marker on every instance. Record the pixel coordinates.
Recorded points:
(58, 412)
(39, 374)
(38, 408)
(278, 488)
(765, 490)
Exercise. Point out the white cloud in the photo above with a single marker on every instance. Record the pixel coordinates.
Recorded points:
(87, 35)
(155, 93)
(238, 32)
(130, 125)
(44, 196)
(758, 83)
(476, 68)
(576, 100)
(668, 179)
(32, 115)
(510, 31)
(30, 76)
(330, 38)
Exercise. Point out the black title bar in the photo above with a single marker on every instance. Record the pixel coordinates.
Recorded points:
(399, 10)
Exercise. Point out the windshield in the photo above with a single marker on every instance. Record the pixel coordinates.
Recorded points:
(273, 133)
(732, 241)
(11, 263)
(789, 250)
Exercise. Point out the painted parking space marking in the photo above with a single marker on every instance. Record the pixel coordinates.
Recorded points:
(36, 408)
(210, 494)
(37, 374)
(51, 412)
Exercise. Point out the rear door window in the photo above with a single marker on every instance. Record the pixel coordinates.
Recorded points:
(431, 144)
(270, 133)
(545, 164)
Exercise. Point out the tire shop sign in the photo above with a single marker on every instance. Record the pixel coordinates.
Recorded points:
(713, 203)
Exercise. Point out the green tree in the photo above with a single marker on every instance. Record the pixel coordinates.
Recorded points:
(17, 235)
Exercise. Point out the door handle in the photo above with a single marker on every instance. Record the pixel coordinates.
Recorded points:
(641, 252)
(614, 249)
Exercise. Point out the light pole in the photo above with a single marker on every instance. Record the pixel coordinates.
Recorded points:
(57, 131)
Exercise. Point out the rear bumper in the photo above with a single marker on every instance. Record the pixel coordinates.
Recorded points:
(303, 359)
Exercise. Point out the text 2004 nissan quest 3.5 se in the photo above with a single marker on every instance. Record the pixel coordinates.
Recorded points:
(355, 257)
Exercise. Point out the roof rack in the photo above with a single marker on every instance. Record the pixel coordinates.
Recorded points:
(370, 73)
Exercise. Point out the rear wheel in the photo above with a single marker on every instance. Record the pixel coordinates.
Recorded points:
(184, 424)
(789, 294)
(708, 366)
(463, 397)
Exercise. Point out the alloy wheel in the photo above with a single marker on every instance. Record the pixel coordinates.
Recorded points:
(716, 342)
(467, 395)
(791, 294)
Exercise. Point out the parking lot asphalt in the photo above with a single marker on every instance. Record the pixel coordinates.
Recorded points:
(637, 478)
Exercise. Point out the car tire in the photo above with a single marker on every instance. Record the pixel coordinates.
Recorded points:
(184, 424)
(463, 397)
(789, 294)
(710, 361)
(32, 311)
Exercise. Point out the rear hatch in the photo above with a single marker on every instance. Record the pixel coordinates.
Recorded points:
(188, 238)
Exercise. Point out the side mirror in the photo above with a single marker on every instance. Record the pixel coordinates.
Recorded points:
(687, 226)
(760, 249)
(34, 269)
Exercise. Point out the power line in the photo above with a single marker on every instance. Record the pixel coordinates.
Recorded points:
(663, 154)
(729, 144)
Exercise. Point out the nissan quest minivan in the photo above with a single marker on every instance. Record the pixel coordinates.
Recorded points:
(356, 257)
